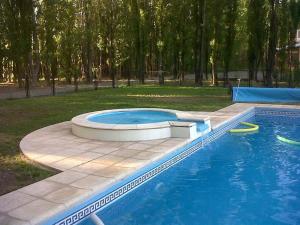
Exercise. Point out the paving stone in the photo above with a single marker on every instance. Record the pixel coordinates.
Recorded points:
(125, 153)
(36, 211)
(153, 142)
(86, 146)
(124, 144)
(67, 163)
(67, 177)
(87, 156)
(110, 144)
(115, 172)
(7, 220)
(89, 167)
(161, 149)
(68, 195)
(104, 149)
(138, 146)
(148, 155)
(13, 200)
(172, 142)
(108, 159)
(41, 188)
(47, 159)
(33, 154)
(136, 163)
(92, 182)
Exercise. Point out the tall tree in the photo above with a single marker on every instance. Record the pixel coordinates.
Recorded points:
(87, 50)
(230, 22)
(199, 14)
(294, 11)
(283, 39)
(49, 45)
(216, 8)
(18, 17)
(138, 40)
(272, 41)
(256, 26)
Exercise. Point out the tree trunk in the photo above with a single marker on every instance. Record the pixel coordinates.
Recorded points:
(87, 50)
(197, 42)
(1, 70)
(129, 76)
(203, 35)
(290, 68)
(27, 81)
(250, 74)
(18, 73)
(271, 43)
(35, 62)
(175, 58)
(182, 72)
(160, 72)
(199, 80)
(230, 36)
(53, 85)
(214, 73)
(53, 74)
(206, 57)
(112, 71)
(76, 82)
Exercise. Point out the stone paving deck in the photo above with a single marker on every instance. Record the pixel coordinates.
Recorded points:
(87, 166)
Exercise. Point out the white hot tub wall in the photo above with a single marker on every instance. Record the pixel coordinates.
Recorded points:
(182, 131)
(121, 135)
(82, 127)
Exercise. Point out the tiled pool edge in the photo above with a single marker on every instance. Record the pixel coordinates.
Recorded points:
(149, 172)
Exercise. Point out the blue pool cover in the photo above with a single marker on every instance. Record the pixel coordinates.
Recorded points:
(252, 94)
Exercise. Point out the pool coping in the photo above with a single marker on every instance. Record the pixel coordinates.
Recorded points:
(224, 119)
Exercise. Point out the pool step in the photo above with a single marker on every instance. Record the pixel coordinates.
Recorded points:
(96, 220)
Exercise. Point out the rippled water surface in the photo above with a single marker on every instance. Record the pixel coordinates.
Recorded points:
(133, 117)
(140, 117)
(237, 180)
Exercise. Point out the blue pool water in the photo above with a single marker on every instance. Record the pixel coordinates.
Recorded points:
(139, 117)
(249, 179)
(133, 117)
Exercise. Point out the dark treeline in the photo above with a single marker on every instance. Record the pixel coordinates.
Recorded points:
(74, 40)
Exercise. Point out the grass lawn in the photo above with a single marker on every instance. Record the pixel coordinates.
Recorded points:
(20, 117)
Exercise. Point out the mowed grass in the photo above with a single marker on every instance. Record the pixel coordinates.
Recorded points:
(20, 117)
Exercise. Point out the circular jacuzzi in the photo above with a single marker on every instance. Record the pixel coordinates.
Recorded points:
(135, 125)
(133, 117)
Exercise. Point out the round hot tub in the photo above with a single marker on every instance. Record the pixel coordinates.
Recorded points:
(134, 125)
(142, 116)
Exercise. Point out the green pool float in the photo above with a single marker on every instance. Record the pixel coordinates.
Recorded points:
(288, 141)
(252, 127)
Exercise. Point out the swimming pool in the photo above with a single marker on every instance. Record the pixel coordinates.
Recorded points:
(238, 179)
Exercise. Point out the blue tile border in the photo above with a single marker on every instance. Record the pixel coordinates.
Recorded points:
(264, 111)
(78, 214)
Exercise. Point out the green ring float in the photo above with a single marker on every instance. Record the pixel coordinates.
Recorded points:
(288, 141)
(253, 127)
